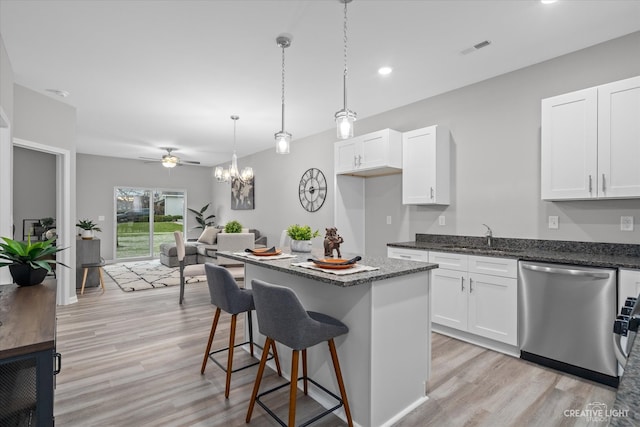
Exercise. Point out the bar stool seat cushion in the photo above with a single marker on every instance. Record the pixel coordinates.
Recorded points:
(283, 318)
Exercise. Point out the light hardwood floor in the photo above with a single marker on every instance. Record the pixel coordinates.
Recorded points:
(133, 359)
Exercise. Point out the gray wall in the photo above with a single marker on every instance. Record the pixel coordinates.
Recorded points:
(495, 131)
(6, 152)
(34, 186)
(99, 175)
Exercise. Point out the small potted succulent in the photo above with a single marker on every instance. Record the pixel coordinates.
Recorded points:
(88, 228)
(28, 262)
(301, 236)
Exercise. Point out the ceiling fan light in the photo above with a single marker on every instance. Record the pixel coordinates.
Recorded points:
(169, 161)
(283, 142)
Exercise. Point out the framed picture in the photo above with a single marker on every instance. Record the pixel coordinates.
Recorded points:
(32, 227)
(242, 194)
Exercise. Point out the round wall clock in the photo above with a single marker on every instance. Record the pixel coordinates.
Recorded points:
(312, 189)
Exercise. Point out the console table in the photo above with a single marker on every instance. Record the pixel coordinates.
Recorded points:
(27, 354)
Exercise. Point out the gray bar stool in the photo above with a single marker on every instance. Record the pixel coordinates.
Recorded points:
(228, 296)
(282, 318)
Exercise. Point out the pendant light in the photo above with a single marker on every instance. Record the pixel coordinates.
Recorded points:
(283, 138)
(226, 175)
(345, 117)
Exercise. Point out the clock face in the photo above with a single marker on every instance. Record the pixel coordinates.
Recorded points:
(312, 189)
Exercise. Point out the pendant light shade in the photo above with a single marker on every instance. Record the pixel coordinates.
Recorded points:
(345, 118)
(232, 172)
(283, 138)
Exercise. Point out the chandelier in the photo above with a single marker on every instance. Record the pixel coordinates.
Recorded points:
(232, 172)
(345, 117)
(283, 138)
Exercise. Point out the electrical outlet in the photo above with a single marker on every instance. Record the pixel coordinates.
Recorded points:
(626, 223)
(553, 222)
(388, 219)
(442, 220)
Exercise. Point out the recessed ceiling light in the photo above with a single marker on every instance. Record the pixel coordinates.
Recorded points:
(548, 1)
(385, 70)
(61, 93)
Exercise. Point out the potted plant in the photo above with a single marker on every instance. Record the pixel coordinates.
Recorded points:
(200, 219)
(233, 227)
(28, 262)
(88, 227)
(301, 236)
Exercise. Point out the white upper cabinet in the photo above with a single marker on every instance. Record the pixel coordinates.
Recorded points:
(373, 154)
(591, 143)
(425, 166)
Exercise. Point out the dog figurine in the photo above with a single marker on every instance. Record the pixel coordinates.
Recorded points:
(332, 242)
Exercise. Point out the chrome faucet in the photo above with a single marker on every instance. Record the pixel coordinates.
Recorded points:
(488, 234)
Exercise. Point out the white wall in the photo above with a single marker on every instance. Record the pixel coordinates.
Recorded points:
(495, 131)
(97, 176)
(6, 151)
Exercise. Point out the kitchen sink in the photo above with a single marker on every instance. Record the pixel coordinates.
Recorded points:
(463, 248)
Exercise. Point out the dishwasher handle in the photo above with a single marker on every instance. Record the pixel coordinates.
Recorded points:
(566, 271)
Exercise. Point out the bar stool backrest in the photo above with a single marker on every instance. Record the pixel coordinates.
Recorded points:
(179, 244)
(225, 292)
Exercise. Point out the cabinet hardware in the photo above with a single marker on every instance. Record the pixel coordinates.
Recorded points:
(603, 186)
(405, 256)
(58, 363)
(590, 185)
(432, 192)
(470, 285)
(462, 284)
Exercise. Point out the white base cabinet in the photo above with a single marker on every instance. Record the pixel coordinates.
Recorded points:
(425, 166)
(591, 143)
(476, 294)
(408, 254)
(628, 285)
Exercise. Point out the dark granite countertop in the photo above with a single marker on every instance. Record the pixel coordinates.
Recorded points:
(611, 255)
(387, 268)
(627, 403)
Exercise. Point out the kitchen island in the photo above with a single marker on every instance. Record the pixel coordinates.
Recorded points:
(385, 357)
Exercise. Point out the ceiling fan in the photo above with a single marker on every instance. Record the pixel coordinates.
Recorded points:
(169, 160)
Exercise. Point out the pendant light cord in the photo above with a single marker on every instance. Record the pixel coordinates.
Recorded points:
(344, 77)
(283, 47)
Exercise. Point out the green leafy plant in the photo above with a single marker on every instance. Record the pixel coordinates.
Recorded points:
(13, 252)
(87, 224)
(47, 223)
(301, 232)
(200, 218)
(233, 227)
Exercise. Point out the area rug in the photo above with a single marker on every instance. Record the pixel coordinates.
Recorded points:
(148, 274)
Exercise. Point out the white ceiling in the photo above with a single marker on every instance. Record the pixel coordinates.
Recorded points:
(150, 74)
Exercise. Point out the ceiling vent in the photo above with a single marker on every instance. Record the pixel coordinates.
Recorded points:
(475, 47)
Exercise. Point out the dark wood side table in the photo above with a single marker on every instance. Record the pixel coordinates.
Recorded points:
(28, 358)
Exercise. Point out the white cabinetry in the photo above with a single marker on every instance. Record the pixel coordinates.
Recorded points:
(628, 285)
(373, 154)
(425, 166)
(476, 294)
(591, 143)
(408, 254)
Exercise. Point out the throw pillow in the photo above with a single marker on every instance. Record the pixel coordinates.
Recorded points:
(209, 236)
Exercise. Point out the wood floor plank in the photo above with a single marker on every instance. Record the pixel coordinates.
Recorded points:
(133, 359)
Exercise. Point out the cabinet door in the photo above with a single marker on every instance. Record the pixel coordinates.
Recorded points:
(493, 307)
(425, 166)
(449, 298)
(569, 146)
(408, 254)
(619, 139)
(346, 155)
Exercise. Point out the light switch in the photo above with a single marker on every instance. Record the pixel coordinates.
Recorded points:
(100, 217)
(388, 219)
(442, 220)
(553, 222)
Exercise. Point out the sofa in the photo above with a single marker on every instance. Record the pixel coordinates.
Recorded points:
(212, 240)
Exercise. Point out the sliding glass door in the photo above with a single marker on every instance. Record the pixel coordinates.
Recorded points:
(146, 218)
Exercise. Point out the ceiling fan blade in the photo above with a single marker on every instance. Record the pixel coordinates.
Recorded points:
(191, 162)
(149, 159)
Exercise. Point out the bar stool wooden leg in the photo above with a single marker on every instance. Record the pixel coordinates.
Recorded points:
(256, 385)
(304, 370)
(84, 280)
(293, 389)
(250, 325)
(211, 334)
(343, 392)
(232, 342)
(275, 356)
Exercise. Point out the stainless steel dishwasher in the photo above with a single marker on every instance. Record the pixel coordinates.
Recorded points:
(565, 315)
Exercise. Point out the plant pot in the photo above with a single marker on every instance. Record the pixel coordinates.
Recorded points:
(87, 234)
(301, 245)
(24, 275)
